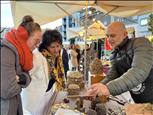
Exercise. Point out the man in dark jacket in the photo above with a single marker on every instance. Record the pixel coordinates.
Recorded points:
(132, 66)
(65, 60)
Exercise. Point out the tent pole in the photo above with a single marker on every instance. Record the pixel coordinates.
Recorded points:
(105, 49)
(85, 42)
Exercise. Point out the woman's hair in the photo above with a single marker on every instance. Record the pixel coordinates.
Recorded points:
(49, 37)
(72, 46)
(29, 24)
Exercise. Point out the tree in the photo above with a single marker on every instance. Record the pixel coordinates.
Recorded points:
(150, 23)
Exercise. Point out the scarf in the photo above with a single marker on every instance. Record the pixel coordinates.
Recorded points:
(19, 38)
(55, 71)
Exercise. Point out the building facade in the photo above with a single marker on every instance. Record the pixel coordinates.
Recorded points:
(138, 24)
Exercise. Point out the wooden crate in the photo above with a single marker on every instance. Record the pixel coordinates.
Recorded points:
(139, 109)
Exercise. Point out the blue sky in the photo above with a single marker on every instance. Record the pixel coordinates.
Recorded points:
(7, 20)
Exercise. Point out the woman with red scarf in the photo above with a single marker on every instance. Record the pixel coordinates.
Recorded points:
(47, 74)
(16, 61)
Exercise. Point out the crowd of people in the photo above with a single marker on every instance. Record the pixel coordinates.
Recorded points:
(32, 63)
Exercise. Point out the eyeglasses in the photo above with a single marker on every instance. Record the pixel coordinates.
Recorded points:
(111, 35)
(36, 41)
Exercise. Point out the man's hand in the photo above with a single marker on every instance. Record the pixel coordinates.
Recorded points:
(98, 89)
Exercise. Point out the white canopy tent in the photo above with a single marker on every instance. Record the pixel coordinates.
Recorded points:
(47, 11)
(125, 8)
(95, 30)
(74, 32)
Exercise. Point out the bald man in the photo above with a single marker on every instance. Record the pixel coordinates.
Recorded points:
(132, 66)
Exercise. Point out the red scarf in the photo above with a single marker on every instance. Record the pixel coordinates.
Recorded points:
(19, 39)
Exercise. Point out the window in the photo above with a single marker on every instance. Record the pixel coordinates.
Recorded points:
(143, 22)
(70, 24)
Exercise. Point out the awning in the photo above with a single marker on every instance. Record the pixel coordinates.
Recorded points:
(94, 31)
(130, 29)
(45, 11)
(74, 32)
(125, 8)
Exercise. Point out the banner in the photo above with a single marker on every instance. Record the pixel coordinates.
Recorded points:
(107, 45)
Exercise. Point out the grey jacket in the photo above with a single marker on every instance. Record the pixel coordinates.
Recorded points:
(10, 89)
(132, 65)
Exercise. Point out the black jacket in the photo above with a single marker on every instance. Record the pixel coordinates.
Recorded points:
(65, 60)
